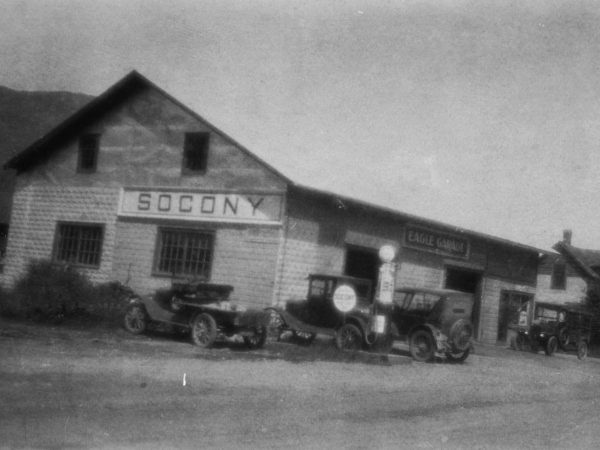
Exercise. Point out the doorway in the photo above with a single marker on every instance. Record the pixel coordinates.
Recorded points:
(466, 281)
(511, 303)
(362, 262)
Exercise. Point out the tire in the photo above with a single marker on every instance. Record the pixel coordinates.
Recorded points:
(348, 338)
(257, 340)
(563, 338)
(204, 330)
(582, 350)
(458, 357)
(135, 319)
(421, 346)
(275, 326)
(551, 346)
(304, 337)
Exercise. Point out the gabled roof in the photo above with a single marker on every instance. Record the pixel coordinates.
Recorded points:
(116, 94)
(584, 261)
(134, 82)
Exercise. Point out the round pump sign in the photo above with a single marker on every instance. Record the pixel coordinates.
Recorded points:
(344, 298)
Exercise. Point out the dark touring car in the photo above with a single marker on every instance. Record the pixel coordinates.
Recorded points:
(202, 309)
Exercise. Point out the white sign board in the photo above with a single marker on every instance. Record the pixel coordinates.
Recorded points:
(344, 298)
(201, 205)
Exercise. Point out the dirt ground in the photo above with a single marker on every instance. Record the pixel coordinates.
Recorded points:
(100, 388)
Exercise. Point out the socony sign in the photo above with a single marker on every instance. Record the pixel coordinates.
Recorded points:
(202, 206)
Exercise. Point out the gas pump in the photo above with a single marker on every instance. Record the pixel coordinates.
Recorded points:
(382, 307)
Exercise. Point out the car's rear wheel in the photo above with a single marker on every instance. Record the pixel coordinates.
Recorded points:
(204, 330)
(275, 326)
(257, 340)
(348, 338)
(458, 357)
(551, 346)
(421, 346)
(582, 350)
(136, 319)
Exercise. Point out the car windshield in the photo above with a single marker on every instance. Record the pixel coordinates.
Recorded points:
(546, 314)
(416, 301)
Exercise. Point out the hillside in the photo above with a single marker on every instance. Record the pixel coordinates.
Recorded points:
(25, 117)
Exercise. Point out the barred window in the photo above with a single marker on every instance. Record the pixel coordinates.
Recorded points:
(78, 244)
(184, 252)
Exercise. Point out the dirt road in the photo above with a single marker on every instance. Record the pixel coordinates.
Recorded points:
(101, 389)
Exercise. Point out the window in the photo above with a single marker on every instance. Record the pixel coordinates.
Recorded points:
(184, 252)
(559, 275)
(195, 152)
(88, 152)
(79, 244)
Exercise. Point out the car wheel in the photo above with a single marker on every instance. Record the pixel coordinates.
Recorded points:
(348, 338)
(257, 340)
(551, 346)
(275, 325)
(136, 319)
(421, 346)
(204, 330)
(582, 350)
(563, 338)
(458, 357)
(304, 337)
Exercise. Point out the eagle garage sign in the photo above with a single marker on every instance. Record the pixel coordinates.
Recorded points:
(445, 244)
(202, 206)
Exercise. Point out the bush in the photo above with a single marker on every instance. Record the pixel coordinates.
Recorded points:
(52, 292)
(8, 306)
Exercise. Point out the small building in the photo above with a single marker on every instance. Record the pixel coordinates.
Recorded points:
(137, 187)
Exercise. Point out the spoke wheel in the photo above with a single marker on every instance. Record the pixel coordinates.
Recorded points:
(275, 326)
(136, 319)
(348, 338)
(422, 346)
(257, 340)
(204, 330)
(551, 346)
(582, 350)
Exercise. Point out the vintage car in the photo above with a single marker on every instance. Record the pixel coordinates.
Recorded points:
(551, 326)
(202, 309)
(431, 321)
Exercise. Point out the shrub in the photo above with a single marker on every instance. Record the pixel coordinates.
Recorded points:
(49, 291)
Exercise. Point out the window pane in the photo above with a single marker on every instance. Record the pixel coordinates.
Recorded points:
(79, 244)
(195, 152)
(184, 252)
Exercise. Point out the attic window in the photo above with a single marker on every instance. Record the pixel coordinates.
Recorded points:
(88, 152)
(559, 276)
(195, 153)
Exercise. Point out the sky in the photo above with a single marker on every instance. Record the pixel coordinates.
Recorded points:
(479, 114)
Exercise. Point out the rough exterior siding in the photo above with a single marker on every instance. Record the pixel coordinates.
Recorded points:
(141, 145)
(575, 290)
(491, 291)
(244, 257)
(34, 218)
